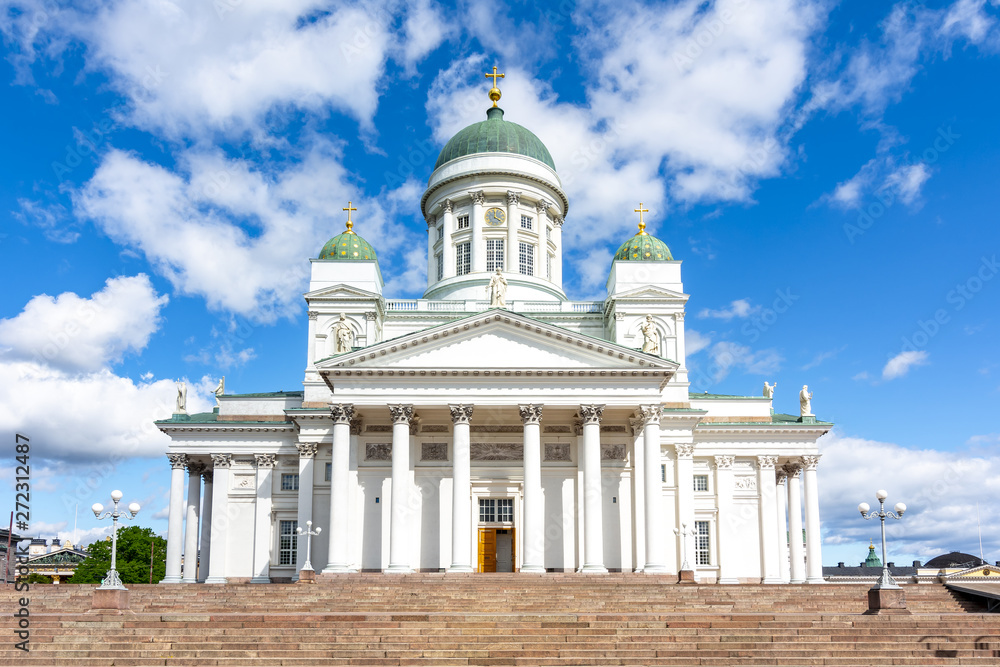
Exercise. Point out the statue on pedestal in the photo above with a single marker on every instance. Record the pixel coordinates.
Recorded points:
(649, 343)
(805, 402)
(769, 389)
(497, 290)
(181, 407)
(343, 334)
(220, 389)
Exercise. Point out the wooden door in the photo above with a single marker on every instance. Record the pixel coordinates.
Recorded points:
(487, 550)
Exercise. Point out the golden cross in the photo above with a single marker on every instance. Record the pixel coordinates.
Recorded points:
(640, 211)
(350, 224)
(495, 76)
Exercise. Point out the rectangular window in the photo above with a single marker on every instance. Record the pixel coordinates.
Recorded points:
(548, 266)
(289, 481)
(494, 254)
(492, 510)
(525, 222)
(527, 257)
(440, 265)
(548, 233)
(463, 257)
(663, 473)
(287, 542)
(701, 482)
(440, 232)
(463, 222)
(505, 509)
(328, 472)
(487, 509)
(702, 543)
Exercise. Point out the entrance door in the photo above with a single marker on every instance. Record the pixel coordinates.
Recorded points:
(505, 551)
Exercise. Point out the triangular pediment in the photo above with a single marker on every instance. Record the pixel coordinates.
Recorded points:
(498, 339)
(341, 291)
(651, 292)
(988, 571)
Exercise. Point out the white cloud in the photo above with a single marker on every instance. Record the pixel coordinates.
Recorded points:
(739, 308)
(823, 356)
(727, 355)
(85, 334)
(220, 229)
(907, 181)
(901, 364)
(940, 489)
(694, 342)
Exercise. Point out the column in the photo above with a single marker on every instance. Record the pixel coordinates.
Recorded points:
(541, 224)
(220, 518)
(724, 494)
(655, 524)
(477, 247)
(781, 495)
(679, 333)
(593, 504)
(447, 244)
(513, 224)
(175, 519)
(797, 566)
(311, 345)
(206, 525)
(814, 540)
(338, 560)
(399, 511)
(431, 256)
(262, 521)
(557, 223)
(307, 460)
(685, 503)
(534, 510)
(191, 522)
(770, 572)
(461, 489)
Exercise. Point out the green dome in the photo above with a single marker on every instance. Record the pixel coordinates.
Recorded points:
(644, 248)
(494, 135)
(349, 246)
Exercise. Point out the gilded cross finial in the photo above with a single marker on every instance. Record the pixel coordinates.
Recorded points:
(642, 224)
(494, 91)
(350, 223)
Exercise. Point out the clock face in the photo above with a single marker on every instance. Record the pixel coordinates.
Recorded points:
(495, 217)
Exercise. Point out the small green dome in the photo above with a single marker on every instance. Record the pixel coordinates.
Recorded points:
(494, 135)
(644, 248)
(347, 245)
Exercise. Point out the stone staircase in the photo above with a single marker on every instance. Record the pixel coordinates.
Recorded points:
(500, 619)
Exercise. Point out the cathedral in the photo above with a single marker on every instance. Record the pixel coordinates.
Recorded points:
(494, 425)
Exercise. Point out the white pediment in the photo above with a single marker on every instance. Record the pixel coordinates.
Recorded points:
(651, 292)
(497, 340)
(984, 571)
(341, 291)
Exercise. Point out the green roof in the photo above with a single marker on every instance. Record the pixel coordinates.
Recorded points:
(494, 135)
(268, 394)
(644, 248)
(347, 246)
(872, 560)
(692, 395)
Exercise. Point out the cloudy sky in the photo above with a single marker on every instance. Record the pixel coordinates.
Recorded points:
(826, 171)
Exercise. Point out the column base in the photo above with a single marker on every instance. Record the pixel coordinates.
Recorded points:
(398, 569)
(189, 581)
(797, 581)
(306, 577)
(260, 580)
(772, 580)
(655, 569)
(459, 569)
(171, 580)
(216, 580)
(686, 577)
(594, 569)
(532, 569)
(337, 569)
(728, 580)
(815, 580)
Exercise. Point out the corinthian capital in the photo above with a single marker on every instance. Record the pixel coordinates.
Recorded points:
(460, 414)
(264, 460)
(478, 197)
(792, 469)
(767, 462)
(542, 205)
(221, 460)
(530, 414)
(684, 451)
(342, 413)
(810, 462)
(648, 414)
(177, 460)
(195, 467)
(401, 414)
(513, 198)
(307, 450)
(591, 414)
(724, 462)
(447, 205)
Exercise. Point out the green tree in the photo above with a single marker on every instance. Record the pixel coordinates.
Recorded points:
(133, 558)
(36, 578)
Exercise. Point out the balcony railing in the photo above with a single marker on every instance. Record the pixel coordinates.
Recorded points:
(476, 306)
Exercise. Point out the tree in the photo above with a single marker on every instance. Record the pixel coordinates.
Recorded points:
(36, 578)
(133, 558)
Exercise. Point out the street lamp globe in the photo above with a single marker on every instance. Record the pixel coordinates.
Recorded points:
(864, 508)
(97, 508)
(881, 494)
(134, 508)
(900, 508)
(116, 495)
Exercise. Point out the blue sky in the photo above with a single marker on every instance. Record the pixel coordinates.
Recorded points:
(826, 171)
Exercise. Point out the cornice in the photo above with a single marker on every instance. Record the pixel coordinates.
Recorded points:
(516, 174)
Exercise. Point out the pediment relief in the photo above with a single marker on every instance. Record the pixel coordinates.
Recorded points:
(989, 571)
(498, 340)
(651, 292)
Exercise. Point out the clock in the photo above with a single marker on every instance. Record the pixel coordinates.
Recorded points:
(495, 217)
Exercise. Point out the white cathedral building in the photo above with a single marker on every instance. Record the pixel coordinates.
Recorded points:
(494, 425)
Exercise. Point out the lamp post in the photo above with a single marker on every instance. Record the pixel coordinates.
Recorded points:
(307, 574)
(112, 581)
(886, 580)
(686, 575)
